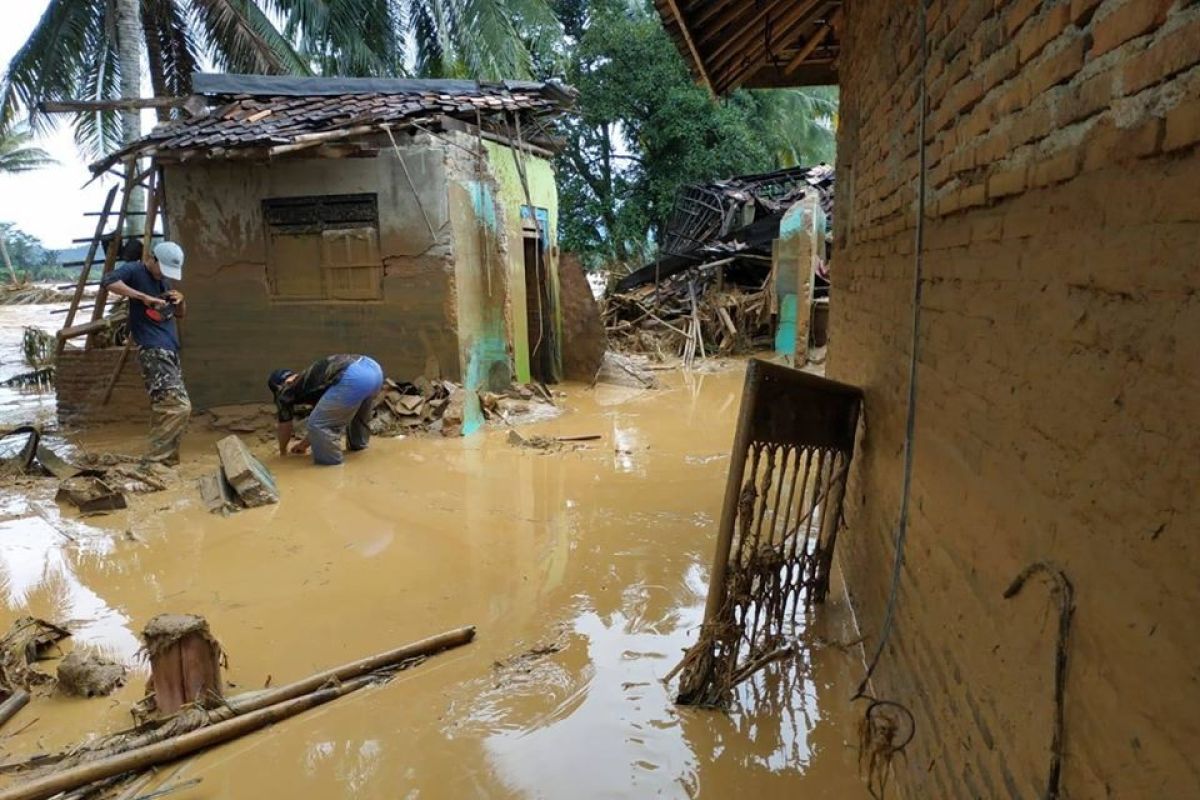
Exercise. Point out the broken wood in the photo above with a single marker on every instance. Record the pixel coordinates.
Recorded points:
(14, 703)
(82, 329)
(125, 104)
(185, 661)
(253, 482)
(216, 494)
(90, 494)
(583, 437)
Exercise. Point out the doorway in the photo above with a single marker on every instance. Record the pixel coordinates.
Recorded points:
(539, 311)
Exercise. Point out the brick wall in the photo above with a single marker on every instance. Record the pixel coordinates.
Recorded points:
(80, 381)
(1058, 364)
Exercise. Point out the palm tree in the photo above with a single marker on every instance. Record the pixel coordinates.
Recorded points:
(91, 49)
(799, 123)
(17, 154)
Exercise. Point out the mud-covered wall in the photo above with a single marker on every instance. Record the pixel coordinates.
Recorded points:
(236, 333)
(1056, 416)
(584, 338)
(543, 193)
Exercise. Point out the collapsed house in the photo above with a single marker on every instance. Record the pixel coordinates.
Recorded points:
(412, 220)
(743, 267)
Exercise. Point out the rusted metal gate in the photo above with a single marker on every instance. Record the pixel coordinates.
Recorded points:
(783, 505)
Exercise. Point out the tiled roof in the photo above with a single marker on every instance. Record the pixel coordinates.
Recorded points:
(279, 112)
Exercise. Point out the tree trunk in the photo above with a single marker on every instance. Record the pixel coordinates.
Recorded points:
(129, 53)
(12, 273)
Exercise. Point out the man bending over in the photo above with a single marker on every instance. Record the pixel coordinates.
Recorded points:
(341, 390)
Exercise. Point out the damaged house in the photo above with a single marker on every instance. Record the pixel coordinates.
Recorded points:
(1016, 294)
(743, 266)
(412, 220)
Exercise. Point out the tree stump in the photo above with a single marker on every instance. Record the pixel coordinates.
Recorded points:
(185, 662)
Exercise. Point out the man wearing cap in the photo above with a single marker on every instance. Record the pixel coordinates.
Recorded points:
(341, 389)
(153, 307)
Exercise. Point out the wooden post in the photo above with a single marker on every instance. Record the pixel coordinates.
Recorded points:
(185, 661)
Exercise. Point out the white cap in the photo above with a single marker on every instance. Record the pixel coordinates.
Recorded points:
(170, 259)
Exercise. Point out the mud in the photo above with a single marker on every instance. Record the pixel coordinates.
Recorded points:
(83, 674)
(584, 570)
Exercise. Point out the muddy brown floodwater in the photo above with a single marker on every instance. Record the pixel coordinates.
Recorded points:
(584, 572)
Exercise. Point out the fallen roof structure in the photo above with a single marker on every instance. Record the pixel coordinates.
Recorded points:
(731, 220)
(259, 116)
(729, 44)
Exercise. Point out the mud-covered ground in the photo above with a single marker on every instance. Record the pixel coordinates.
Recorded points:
(584, 571)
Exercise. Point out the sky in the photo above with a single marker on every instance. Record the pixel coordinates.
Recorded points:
(47, 203)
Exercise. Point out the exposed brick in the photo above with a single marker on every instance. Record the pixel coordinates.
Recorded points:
(1059, 167)
(1182, 125)
(1109, 144)
(1042, 30)
(1173, 53)
(1082, 10)
(1087, 98)
(1134, 18)
(1007, 182)
(1002, 65)
(1020, 11)
(1057, 68)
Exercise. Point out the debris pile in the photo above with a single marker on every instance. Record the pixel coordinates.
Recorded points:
(239, 481)
(691, 315)
(712, 291)
(425, 406)
(27, 642)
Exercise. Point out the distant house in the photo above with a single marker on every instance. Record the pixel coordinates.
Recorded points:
(412, 220)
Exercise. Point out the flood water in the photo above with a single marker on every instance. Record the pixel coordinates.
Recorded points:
(600, 555)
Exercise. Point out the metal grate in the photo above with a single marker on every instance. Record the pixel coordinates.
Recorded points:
(313, 214)
(783, 503)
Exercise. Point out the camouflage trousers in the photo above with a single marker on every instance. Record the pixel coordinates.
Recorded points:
(170, 407)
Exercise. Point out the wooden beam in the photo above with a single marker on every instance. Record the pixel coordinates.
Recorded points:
(129, 104)
(687, 37)
(758, 53)
(813, 43)
(735, 44)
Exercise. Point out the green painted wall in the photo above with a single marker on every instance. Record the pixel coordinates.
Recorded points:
(543, 192)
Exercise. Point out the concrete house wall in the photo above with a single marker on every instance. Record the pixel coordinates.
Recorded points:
(436, 315)
(1058, 373)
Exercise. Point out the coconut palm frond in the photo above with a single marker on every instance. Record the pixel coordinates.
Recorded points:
(171, 48)
(17, 153)
(345, 37)
(51, 63)
(241, 38)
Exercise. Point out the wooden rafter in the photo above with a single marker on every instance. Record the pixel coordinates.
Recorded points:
(687, 37)
(814, 41)
(788, 30)
(732, 45)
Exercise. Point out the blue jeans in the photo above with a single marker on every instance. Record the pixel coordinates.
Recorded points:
(346, 405)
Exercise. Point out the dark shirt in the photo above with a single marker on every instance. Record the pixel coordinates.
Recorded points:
(307, 389)
(146, 332)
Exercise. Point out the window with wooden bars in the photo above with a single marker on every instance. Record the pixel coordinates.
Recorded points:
(323, 248)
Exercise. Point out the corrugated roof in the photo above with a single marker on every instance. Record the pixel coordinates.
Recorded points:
(260, 112)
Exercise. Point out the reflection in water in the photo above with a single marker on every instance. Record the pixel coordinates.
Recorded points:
(35, 573)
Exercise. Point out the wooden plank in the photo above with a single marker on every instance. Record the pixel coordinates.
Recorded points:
(115, 247)
(786, 30)
(814, 42)
(124, 104)
(79, 330)
(743, 43)
(252, 481)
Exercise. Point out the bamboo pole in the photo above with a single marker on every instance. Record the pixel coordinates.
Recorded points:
(15, 702)
(177, 747)
(250, 702)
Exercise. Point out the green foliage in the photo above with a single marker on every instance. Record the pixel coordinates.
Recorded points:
(17, 153)
(31, 260)
(644, 128)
